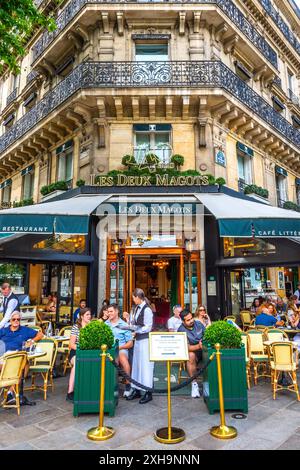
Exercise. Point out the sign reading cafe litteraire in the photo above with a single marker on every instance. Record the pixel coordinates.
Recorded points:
(160, 180)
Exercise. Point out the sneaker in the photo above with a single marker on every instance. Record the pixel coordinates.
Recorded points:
(195, 390)
(70, 397)
(127, 390)
(10, 400)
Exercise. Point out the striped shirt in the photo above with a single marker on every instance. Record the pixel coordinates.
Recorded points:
(75, 332)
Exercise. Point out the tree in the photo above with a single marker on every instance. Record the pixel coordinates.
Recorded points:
(18, 19)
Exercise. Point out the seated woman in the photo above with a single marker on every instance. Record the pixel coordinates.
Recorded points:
(202, 316)
(255, 305)
(103, 314)
(268, 317)
(294, 321)
(84, 319)
(292, 308)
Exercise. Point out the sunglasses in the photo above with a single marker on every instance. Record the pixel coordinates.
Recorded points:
(16, 319)
(201, 310)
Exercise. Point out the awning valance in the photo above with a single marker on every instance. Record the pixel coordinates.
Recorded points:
(243, 218)
(68, 216)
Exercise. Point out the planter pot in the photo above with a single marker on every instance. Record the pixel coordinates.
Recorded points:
(87, 383)
(234, 380)
(259, 198)
(52, 195)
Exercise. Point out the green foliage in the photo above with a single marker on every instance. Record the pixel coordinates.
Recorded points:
(178, 160)
(128, 160)
(58, 186)
(253, 189)
(291, 206)
(18, 20)
(228, 336)
(11, 272)
(220, 181)
(95, 334)
(80, 183)
(152, 159)
(24, 202)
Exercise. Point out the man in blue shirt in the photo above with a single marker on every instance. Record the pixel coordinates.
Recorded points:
(265, 318)
(194, 330)
(82, 304)
(124, 336)
(13, 336)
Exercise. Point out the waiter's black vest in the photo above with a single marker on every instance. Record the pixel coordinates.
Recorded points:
(140, 322)
(7, 300)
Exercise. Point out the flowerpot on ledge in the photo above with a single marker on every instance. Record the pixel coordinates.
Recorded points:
(234, 380)
(87, 382)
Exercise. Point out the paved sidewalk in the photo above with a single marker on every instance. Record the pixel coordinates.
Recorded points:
(51, 425)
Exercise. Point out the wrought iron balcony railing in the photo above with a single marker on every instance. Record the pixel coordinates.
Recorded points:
(187, 74)
(284, 28)
(227, 6)
(12, 96)
(241, 185)
(294, 98)
(31, 76)
(163, 152)
(281, 202)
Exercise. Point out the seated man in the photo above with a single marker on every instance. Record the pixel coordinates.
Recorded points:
(194, 331)
(125, 340)
(82, 304)
(13, 337)
(266, 318)
(175, 321)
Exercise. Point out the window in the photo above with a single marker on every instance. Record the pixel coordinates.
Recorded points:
(153, 138)
(242, 71)
(244, 171)
(27, 183)
(151, 52)
(6, 195)
(298, 193)
(65, 162)
(277, 104)
(281, 189)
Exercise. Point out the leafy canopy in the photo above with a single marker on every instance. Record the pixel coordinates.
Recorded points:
(18, 18)
(228, 336)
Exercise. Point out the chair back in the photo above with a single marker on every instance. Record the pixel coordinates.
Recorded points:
(50, 348)
(66, 331)
(273, 334)
(230, 317)
(244, 338)
(37, 328)
(256, 341)
(13, 366)
(283, 353)
(246, 318)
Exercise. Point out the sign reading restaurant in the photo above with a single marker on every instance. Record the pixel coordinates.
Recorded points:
(145, 180)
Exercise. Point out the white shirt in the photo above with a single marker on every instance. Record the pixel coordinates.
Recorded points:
(11, 306)
(148, 319)
(297, 293)
(174, 323)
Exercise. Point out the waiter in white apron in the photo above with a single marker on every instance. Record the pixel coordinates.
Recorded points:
(142, 368)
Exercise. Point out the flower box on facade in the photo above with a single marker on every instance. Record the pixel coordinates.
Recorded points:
(87, 382)
(234, 380)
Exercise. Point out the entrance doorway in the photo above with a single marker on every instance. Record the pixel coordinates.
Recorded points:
(168, 276)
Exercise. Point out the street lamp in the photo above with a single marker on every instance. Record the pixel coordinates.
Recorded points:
(116, 246)
(189, 246)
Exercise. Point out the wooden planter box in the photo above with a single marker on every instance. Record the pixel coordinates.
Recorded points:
(234, 380)
(87, 383)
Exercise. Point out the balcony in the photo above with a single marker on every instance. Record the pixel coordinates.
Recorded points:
(177, 74)
(31, 76)
(241, 185)
(12, 96)
(294, 99)
(163, 152)
(280, 23)
(227, 6)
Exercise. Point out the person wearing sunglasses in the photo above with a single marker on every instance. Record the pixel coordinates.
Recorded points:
(202, 316)
(13, 336)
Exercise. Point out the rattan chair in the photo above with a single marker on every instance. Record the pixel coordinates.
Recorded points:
(257, 354)
(247, 358)
(230, 317)
(64, 349)
(44, 366)
(273, 334)
(43, 324)
(246, 319)
(283, 361)
(10, 376)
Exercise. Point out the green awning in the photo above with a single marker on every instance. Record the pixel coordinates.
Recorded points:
(68, 216)
(239, 217)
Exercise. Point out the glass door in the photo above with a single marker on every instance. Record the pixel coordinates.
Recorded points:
(191, 287)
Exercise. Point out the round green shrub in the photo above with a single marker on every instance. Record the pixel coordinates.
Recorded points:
(220, 181)
(228, 336)
(178, 160)
(80, 183)
(96, 333)
(128, 160)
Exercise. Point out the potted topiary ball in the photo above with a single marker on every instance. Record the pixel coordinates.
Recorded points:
(88, 369)
(233, 368)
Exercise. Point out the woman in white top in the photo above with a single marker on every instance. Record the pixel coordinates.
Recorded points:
(83, 319)
(202, 316)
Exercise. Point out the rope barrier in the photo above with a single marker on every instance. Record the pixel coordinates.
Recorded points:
(160, 390)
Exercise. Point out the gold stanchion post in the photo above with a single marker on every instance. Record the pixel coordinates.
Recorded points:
(169, 435)
(101, 433)
(222, 431)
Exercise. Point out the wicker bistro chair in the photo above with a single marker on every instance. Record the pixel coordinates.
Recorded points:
(273, 334)
(10, 376)
(64, 349)
(230, 317)
(247, 358)
(257, 354)
(44, 366)
(246, 319)
(283, 361)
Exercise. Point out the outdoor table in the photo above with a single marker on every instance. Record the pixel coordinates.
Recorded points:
(290, 332)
